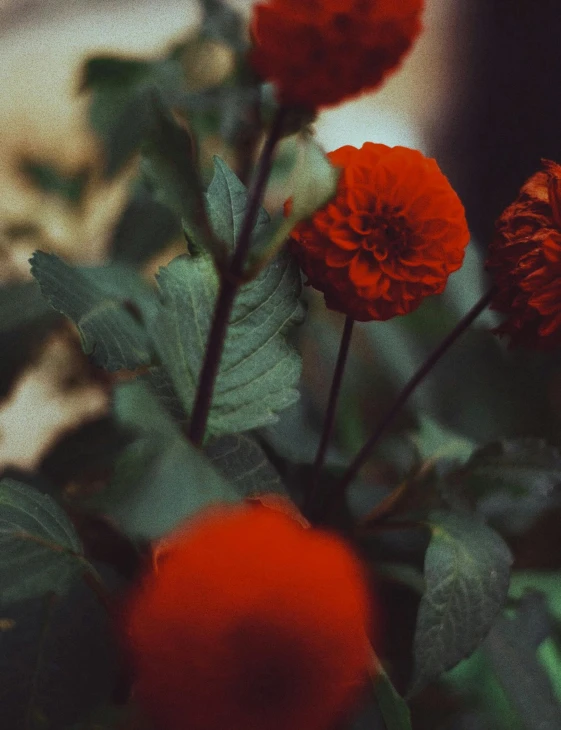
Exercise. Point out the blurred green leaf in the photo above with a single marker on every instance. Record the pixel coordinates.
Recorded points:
(170, 165)
(392, 705)
(314, 182)
(222, 23)
(49, 180)
(161, 478)
(244, 463)
(40, 551)
(96, 300)
(511, 646)
(122, 108)
(519, 466)
(58, 660)
(435, 441)
(20, 304)
(467, 568)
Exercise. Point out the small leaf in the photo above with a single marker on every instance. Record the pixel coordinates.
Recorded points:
(314, 182)
(467, 575)
(519, 465)
(511, 646)
(39, 549)
(259, 369)
(393, 707)
(161, 479)
(244, 463)
(227, 201)
(223, 23)
(95, 300)
(49, 180)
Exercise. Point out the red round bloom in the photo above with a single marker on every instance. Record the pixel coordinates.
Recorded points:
(319, 52)
(525, 261)
(391, 236)
(250, 621)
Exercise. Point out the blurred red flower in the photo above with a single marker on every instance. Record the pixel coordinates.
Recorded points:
(391, 236)
(250, 621)
(319, 52)
(524, 259)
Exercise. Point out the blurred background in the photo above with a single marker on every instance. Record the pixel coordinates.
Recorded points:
(478, 92)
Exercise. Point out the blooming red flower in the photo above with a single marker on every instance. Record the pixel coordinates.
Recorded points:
(525, 261)
(249, 622)
(391, 236)
(319, 52)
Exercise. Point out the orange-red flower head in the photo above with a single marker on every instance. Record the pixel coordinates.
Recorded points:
(319, 52)
(391, 236)
(250, 621)
(525, 261)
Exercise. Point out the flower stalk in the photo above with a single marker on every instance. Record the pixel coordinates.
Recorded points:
(365, 452)
(231, 278)
(330, 412)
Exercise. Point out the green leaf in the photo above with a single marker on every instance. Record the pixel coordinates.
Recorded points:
(20, 304)
(392, 705)
(244, 463)
(467, 575)
(511, 647)
(49, 180)
(259, 369)
(521, 466)
(161, 479)
(122, 108)
(227, 201)
(223, 23)
(40, 551)
(58, 660)
(170, 165)
(313, 184)
(96, 300)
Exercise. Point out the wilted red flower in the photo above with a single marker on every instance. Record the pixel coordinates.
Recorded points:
(391, 236)
(319, 52)
(525, 261)
(250, 622)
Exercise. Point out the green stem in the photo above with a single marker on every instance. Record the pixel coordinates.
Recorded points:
(329, 414)
(230, 282)
(409, 388)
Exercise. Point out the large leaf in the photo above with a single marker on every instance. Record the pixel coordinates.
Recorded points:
(259, 369)
(161, 478)
(40, 551)
(98, 301)
(467, 571)
(241, 460)
(58, 660)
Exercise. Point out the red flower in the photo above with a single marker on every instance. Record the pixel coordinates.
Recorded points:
(250, 622)
(525, 261)
(319, 52)
(390, 237)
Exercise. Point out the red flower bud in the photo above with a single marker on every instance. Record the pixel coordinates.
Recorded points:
(249, 621)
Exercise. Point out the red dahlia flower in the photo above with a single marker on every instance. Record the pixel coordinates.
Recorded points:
(525, 261)
(319, 52)
(249, 622)
(390, 237)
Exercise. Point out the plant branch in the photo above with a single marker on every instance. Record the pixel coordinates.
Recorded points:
(330, 413)
(409, 388)
(230, 281)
